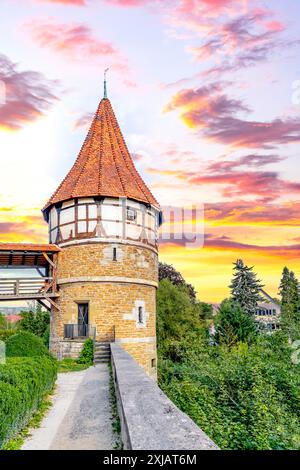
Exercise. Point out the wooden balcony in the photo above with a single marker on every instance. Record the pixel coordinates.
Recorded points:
(27, 288)
(41, 259)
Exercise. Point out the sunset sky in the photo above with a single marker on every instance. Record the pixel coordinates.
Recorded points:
(206, 95)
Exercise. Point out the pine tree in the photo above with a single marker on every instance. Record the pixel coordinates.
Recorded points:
(289, 291)
(245, 287)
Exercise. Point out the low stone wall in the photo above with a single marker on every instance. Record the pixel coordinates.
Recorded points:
(70, 348)
(149, 420)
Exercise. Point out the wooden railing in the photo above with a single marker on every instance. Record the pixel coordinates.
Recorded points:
(30, 287)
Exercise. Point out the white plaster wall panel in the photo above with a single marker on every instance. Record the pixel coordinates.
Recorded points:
(53, 235)
(87, 199)
(67, 231)
(67, 215)
(92, 212)
(111, 212)
(110, 200)
(133, 231)
(139, 218)
(92, 225)
(68, 203)
(53, 215)
(112, 229)
(81, 212)
(82, 227)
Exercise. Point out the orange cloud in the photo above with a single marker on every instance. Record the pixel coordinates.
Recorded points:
(209, 110)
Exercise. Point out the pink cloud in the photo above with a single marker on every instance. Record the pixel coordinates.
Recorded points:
(215, 116)
(28, 95)
(72, 40)
(275, 26)
(67, 2)
(77, 43)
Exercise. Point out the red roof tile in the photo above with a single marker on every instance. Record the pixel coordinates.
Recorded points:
(29, 247)
(104, 166)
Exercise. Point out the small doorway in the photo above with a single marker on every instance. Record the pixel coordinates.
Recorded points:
(83, 319)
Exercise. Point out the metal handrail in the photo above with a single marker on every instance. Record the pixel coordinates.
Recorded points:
(75, 330)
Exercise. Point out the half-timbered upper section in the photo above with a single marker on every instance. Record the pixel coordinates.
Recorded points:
(103, 195)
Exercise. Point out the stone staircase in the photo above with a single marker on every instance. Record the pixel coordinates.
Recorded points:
(101, 353)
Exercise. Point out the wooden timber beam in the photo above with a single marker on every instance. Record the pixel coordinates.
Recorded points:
(53, 303)
(48, 259)
(47, 307)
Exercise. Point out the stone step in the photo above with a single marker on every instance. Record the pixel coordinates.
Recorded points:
(102, 361)
(102, 347)
(102, 356)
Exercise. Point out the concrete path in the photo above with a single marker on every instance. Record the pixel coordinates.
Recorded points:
(80, 417)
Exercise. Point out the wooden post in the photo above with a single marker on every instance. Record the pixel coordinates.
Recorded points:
(17, 287)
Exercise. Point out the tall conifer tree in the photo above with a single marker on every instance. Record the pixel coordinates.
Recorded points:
(245, 287)
(289, 291)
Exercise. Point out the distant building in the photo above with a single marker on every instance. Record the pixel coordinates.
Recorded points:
(215, 309)
(268, 313)
(13, 310)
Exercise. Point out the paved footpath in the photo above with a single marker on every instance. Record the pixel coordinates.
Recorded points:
(80, 417)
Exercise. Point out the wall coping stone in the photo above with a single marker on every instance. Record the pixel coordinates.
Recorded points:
(149, 419)
(107, 279)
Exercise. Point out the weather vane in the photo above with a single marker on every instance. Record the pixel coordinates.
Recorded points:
(105, 89)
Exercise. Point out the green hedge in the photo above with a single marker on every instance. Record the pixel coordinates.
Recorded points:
(23, 383)
(29, 373)
(26, 344)
(5, 334)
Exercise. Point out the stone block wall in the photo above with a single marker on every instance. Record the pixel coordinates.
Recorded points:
(115, 291)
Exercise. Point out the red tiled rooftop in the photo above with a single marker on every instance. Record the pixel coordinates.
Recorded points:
(46, 248)
(104, 166)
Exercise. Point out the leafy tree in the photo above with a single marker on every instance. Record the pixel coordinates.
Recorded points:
(233, 325)
(245, 287)
(289, 291)
(36, 321)
(246, 396)
(206, 310)
(177, 317)
(167, 271)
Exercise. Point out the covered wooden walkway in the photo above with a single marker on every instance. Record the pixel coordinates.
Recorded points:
(42, 259)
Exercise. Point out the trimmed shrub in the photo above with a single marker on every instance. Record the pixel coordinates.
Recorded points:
(87, 353)
(5, 334)
(26, 344)
(23, 383)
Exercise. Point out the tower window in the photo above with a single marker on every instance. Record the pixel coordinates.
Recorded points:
(141, 315)
(153, 363)
(114, 254)
(131, 213)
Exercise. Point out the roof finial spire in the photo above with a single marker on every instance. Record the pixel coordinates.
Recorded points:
(105, 88)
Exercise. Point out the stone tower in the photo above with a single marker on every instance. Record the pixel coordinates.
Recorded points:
(105, 220)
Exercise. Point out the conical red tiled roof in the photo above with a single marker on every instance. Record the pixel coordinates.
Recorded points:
(104, 166)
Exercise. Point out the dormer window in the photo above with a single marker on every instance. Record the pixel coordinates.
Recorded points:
(131, 213)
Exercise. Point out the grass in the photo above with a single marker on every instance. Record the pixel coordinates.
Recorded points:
(71, 365)
(35, 422)
(116, 424)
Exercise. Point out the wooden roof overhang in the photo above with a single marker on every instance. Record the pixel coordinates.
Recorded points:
(16, 255)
